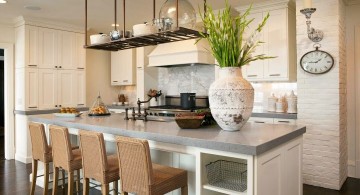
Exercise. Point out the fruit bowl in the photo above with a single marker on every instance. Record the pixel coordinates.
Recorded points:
(189, 120)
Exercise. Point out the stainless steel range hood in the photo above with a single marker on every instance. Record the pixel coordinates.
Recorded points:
(181, 53)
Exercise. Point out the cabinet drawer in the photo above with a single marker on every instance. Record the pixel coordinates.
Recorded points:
(284, 121)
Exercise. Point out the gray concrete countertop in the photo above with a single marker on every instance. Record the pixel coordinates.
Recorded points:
(48, 111)
(252, 139)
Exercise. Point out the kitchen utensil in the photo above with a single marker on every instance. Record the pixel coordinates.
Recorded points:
(99, 38)
(187, 100)
(144, 29)
(116, 35)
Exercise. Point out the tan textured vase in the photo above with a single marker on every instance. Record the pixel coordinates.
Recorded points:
(231, 99)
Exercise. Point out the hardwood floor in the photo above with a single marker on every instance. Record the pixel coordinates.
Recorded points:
(14, 180)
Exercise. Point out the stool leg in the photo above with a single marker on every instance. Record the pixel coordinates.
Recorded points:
(55, 180)
(77, 181)
(115, 191)
(86, 186)
(184, 190)
(105, 189)
(63, 181)
(46, 178)
(70, 182)
(34, 174)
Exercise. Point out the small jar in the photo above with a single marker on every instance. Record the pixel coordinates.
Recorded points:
(292, 103)
(280, 105)
(272, 103)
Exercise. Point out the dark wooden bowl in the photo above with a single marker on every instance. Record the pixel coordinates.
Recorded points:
(189, 120)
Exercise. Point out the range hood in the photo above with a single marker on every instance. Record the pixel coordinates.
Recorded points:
(181, 53)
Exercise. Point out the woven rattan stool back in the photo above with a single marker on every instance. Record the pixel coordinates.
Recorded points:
(135, 165)
(93, 154)
(38, 142)
(61, 146)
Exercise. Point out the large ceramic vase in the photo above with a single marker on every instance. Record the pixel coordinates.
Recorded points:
(231, 99)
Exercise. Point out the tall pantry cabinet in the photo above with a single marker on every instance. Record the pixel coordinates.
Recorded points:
(50, 68)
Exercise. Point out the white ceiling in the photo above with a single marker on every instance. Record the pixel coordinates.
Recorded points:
(100, 12)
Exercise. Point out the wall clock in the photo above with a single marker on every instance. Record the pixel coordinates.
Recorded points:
(317, 61)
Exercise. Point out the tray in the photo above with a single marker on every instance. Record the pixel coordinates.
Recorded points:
(67, 114)
(106, 114)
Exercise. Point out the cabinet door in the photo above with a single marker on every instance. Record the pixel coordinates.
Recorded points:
(66, 50)
(66, 88)
(47, 48)
(255, 70)
(32, 45)
(277, 45)
(47, 88)
(115, 68)
(127, 64)
(80, 57)
(31, 88)
(80, 88)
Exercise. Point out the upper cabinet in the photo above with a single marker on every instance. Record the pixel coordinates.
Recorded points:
(279, 35)
(49, 48)
(123, 67)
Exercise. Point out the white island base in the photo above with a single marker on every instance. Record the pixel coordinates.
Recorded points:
(275, 172)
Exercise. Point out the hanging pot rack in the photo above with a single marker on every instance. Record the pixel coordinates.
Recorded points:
(179, 34)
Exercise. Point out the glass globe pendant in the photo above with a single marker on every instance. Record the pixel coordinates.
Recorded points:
(187, 15)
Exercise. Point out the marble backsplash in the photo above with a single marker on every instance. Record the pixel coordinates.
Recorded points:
(265, 90)
(183, 79)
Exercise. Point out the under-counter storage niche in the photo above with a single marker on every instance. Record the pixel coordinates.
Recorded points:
(225, 174)
(123, 67)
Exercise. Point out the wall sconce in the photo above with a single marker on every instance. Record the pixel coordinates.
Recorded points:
(314, 35)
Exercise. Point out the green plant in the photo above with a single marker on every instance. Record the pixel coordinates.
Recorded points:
(225, 34)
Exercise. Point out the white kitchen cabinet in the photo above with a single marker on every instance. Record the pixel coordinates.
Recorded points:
(123, 70)
(26, 88)
(48, 47)
(60, 88)
(66, 50)
(80, 57)
(279, 36)
(146, 77)
(47, 88)
(26, 46)
(80, 88)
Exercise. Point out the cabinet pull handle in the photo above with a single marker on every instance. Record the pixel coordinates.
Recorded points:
(259, 122)
(125, 81)
(274, 75)
(81, 104)
(80, 68)
(32, 107)
(33, 65)
(284, 121)
(252, 75)
(115, 81)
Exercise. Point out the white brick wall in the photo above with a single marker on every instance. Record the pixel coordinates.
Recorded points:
(322, 98)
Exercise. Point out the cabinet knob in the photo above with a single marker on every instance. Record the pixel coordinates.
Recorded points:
(59, 105)
(59, 66)
(252, 75)
(55, 105)
(55, 66)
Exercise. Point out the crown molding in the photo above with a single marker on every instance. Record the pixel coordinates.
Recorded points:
(25, 20)
(268, 5)
(351, 2)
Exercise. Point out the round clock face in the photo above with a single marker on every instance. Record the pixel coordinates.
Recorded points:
(316, 62)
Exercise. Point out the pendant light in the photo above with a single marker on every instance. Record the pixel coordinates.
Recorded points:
(186, 14)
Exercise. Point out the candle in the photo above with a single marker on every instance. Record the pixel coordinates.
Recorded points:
(307, 3)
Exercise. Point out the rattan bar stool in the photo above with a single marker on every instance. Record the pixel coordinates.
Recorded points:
(64, 157)
(42, 152)
(138, 175)
(96, 165)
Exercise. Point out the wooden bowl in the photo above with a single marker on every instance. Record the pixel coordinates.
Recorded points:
(189, 120)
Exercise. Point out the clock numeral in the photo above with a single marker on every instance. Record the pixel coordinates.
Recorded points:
(315, 69)
(326, 56)
(325, 67)
(328, 61)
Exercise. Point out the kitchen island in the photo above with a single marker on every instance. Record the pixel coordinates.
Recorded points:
(272, 153)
